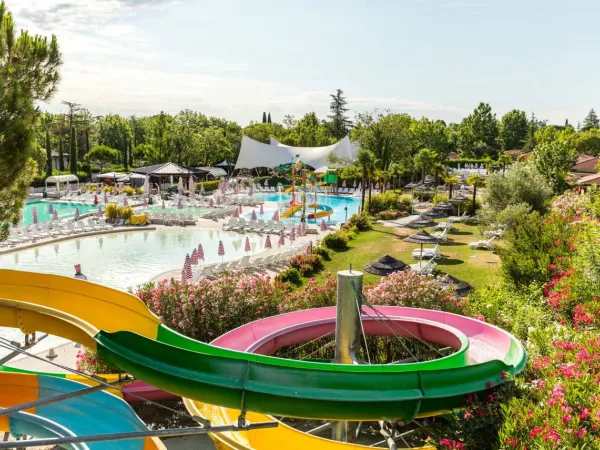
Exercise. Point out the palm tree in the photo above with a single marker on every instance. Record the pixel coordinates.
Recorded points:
(503, 160)
(476, 181)
(425, 160)
(365, 159)
(451, 179)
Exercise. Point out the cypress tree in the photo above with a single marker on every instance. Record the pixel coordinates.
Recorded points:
(48, 154)
(61, 162)
(264, 117)
(73, 156)
(269, 119)
(130, 151)
(124, 151)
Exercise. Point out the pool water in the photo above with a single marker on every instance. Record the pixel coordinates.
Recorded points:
(124, 260)
(337, 203)
(64, 210)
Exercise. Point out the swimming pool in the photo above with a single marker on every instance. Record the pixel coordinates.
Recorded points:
(159, 210)
(123, 260)
(64, 210)
(337, 203)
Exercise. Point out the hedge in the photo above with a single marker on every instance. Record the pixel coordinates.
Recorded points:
(209, 186)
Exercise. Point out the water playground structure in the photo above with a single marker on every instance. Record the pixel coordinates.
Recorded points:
(233, 387)
(299, 203)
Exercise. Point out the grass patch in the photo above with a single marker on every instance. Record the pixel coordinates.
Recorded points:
(477, 267)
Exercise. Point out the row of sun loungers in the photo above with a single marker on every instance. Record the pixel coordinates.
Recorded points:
(258, 263)
(171, 219)
(53, 229)
(258, 226)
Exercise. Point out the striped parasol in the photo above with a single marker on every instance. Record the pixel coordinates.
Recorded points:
(323, 225)
(221, 251)
(194, 257)
(276, 216)
(145, 203)
(50, 208)
(34, 215)
(262, 211)
(202, 189)
(236, 213)
(253, 215)
(95, 199)
(125, 202)
(218, 200)
(187, 269)
(211, 204)
(200, 253)
(100, 213)
(55, 215)
(293, 235)
(268, 242)
(241, 210)
(163, 205)
(76, 213)
(281, 240)
(247, 247)
(179, 204)
(105, 198)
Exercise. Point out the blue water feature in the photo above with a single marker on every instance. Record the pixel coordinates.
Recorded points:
(64, 209)
(337, 203)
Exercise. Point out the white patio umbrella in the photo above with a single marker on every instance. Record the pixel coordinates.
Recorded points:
(191, 186)
(146, 186)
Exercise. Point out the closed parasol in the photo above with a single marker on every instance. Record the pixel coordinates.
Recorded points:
(385, 266)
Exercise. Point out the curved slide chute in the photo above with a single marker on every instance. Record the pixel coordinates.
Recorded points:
(129, 336)
(323, 211)
(94, 413)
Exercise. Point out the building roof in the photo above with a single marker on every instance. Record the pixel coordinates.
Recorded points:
(163, 169)
(583, 157)
(514, 154)
(62, 179)
(586, 166)
(215, 172)
(256, 154)
(590, 179)
(453, 156)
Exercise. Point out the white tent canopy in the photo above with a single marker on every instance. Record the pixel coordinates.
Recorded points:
(256, 154)
(58, 179)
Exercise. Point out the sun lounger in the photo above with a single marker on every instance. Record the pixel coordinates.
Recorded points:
(489, 244)
(442, 235)
(428, 253)
(458, 218)
(424, 269)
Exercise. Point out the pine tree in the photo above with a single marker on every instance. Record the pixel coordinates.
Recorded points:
(264, 117)
(124, 152)
(567, 123)
(530, 142)
(48, 154)
(130, 151)
(269, 118)
(73, 155)
(591, 121)
(340, 124)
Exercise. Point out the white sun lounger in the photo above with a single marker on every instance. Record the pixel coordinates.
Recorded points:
(428, 253)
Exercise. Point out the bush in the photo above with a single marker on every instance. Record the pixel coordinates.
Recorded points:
(273, 181)
(389, 201)
(390, 215)
(360, 221)
(336, 241)
(125, 212)
(323, 253)
(128, 191)
(307, 265)
(112, 211)
(209, 186)
(291, 276)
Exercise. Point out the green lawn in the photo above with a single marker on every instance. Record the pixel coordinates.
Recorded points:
(477, 267)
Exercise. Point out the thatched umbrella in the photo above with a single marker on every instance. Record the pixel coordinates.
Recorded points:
(421, 222)
(385, 266)
(461, 288)
(422, 237)
(434, 214)
(459, 199)
(411, 185)
(444, 206)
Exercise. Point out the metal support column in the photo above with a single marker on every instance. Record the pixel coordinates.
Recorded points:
(347, 336)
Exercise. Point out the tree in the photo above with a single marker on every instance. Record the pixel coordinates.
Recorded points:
(309, 132)
(503, 161)
(289, 121)
(554, 161)
(366, 160)
(124, 153)
(431, 134)
(340, 124)
(425, 160)
(590, 121)
(269, 118)
(46, 123)
(264, 117)
(144, 152)
(513, 129)
(387, 136)
(451, 180)
(102, 156)
(476, 181)
(588, 142)
(73, 153)
(114, 132)
(478, 133)
(29, 74)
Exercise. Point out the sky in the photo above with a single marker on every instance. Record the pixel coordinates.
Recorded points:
(237, 58)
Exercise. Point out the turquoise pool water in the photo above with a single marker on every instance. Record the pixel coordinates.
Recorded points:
(64, 209)
(123, 260)
(337, 203)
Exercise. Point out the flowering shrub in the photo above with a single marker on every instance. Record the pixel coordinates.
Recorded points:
(336, 241)
(408, 288)
(307, 265)
(89, 362)
(290, 275)
(313, 295)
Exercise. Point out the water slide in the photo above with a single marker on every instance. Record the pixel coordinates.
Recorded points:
(94, 413)
(291, 211)
(323, 211)
(129, 336)
(288, 190)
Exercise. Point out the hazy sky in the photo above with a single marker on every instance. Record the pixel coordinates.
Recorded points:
(238, 58)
